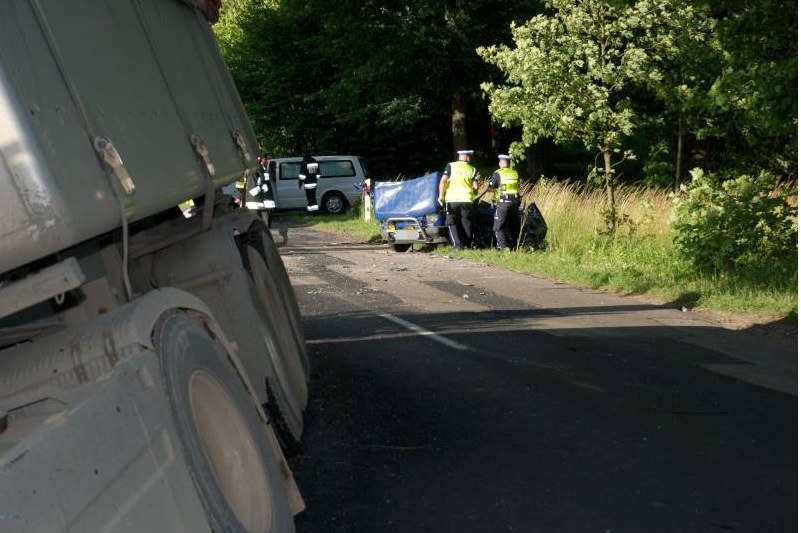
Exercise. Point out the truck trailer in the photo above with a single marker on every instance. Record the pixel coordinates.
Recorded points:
(153, 370)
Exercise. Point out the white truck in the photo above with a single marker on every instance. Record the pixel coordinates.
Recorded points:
(152, 366)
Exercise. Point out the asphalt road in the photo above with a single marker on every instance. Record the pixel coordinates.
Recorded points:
(452, 397)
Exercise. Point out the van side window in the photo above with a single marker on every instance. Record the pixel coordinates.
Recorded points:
(337, 169)
(289, 171)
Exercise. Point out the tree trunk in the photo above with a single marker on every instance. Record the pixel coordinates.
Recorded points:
(609, 180)
(459, 121)
(495, 137)
(679, 151)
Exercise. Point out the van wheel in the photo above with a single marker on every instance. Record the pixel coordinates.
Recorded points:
(334, 202)
(223, 438)
(400, 248)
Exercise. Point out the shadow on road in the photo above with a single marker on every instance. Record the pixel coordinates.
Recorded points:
(596, 429)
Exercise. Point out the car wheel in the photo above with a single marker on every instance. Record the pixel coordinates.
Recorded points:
(334, 202)
(225, 446)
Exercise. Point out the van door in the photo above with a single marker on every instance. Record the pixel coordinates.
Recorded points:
(336, 187)
(289, 195)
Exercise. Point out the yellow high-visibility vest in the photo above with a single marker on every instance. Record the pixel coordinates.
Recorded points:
(510, 182)
(460, 182)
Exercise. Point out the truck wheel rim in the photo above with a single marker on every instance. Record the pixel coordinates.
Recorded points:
(231, 452)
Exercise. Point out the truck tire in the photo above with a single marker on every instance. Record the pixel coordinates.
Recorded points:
(286, 384)
(221, 434)
(263, 242)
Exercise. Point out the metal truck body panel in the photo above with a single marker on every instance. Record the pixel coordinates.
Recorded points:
(147, 76)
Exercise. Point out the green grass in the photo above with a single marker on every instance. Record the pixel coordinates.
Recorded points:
(638, 270)
(640, 259)
(351, 222)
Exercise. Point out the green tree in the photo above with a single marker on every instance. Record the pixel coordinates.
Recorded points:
(686, 78)
(571, 73)
(244, 31)
(753, 101)
(396, 81)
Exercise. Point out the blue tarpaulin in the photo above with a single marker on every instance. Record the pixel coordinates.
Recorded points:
(411, 198)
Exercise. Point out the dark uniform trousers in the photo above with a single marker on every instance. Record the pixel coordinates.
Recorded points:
(311, 193)
(504, 212)
(459, 211)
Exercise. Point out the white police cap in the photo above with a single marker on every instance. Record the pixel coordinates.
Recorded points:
(504, 157)
(464, 152)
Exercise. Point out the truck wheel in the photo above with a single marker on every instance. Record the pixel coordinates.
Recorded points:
(223, 440)
(334, 202)
(264, 243)
(400, 248)
(286, 384)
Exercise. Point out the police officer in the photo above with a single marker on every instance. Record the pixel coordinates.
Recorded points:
(456, 192)
(505, 183)
(307, 178)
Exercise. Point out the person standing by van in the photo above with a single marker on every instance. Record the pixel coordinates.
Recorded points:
(505, 182)
(307, 178)
(456, 192)
(262, 189)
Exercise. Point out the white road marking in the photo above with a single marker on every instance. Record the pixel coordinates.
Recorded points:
(422, 331)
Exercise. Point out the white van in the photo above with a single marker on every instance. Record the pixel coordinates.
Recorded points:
(338, 187)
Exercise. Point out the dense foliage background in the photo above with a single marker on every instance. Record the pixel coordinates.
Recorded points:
(695, 101)
(399, 82)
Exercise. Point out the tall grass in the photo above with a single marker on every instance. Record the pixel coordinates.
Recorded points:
(579, 207)
(640, 258)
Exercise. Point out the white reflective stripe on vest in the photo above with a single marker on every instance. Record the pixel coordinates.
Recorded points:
(309, 185)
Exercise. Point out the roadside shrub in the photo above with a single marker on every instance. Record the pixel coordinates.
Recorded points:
(743, 226)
